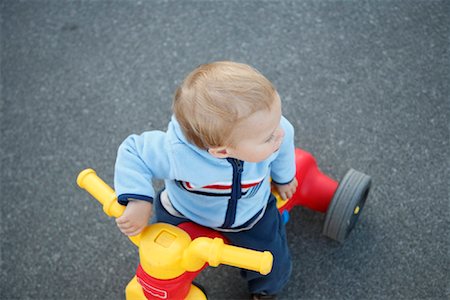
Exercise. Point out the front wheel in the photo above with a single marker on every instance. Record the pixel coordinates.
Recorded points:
(346, 205)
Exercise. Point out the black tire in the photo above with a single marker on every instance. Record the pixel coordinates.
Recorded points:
(201, 288)
(346, 205)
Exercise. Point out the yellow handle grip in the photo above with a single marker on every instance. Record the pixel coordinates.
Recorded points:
(244, 258)
(94, 185)
(247, 259)
(216, 252)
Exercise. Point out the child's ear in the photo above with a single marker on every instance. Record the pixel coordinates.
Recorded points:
(219, 152)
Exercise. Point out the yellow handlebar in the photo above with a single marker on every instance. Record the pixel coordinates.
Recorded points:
(173, 248)
(95, 186)
(216, 252)
(104, 194)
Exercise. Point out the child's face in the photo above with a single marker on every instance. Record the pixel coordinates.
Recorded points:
(259, 136)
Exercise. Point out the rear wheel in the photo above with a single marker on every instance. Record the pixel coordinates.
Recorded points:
(346, 205)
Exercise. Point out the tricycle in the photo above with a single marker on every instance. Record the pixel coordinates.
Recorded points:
(172, 256)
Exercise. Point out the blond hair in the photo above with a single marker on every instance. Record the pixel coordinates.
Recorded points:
(215, 97)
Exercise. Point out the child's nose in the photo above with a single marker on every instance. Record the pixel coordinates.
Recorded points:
(279, 134)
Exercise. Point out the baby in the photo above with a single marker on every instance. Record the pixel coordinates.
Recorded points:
(226, 145)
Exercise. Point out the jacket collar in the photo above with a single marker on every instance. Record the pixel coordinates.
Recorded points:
(179, 136)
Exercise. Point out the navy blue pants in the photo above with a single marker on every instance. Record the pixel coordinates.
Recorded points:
(269, 234)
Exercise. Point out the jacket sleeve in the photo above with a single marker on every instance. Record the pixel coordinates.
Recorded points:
(283, 167)
(140, 159)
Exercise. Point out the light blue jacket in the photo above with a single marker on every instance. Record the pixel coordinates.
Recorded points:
(218, 193)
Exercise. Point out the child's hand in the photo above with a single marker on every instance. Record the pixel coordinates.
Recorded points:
(135, 217)
(286, 191)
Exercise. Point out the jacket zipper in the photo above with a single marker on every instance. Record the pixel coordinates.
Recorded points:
(236, 192)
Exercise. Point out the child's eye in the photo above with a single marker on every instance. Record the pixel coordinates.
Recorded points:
(270, 139)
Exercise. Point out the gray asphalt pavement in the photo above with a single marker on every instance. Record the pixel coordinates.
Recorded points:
(365, 83)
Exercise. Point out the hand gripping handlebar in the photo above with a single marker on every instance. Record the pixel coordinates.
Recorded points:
(165, 240)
